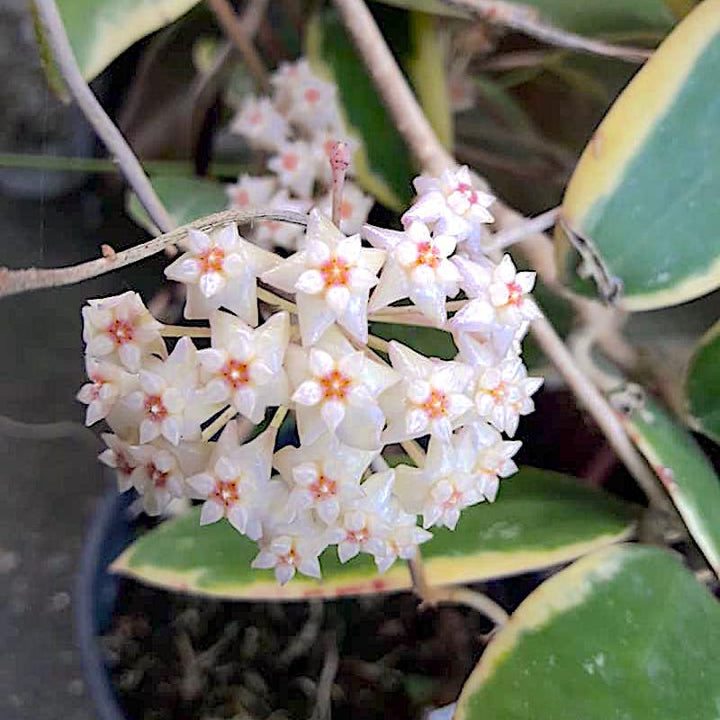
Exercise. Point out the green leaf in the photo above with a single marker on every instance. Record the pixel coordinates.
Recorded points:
(382, 164)
(702, 384)
(100, 30)
(540, 519)
(186, 199)
(426, 67)
(643, 199)
(684, 470)
(625, 633)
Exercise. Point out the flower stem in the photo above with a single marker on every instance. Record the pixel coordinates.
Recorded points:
(184, 331)
(219, 423)
(378, 344)
(414, 451)
(279, 416)
(272, 299)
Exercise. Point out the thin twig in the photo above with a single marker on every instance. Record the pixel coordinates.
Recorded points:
(57, 39)
(424, 144)
(526, 19)
(16, 281)
(240, 36)
(535, 225)
(307, 636)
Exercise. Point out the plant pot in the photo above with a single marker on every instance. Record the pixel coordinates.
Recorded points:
(95, 596)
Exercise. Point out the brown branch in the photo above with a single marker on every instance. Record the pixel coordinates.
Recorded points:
(527, 20)
(241, 36)
(424, 144)
(17, 281)
(116, 144)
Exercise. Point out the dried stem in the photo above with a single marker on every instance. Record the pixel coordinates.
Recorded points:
(16, 281)
(526, 19)
(414, 451)
(278, 417)
(116, 144)
(424, 144)
(241, 37)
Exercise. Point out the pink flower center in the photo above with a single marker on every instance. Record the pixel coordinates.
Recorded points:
(227, 492)
(312, 95)
(212, 260)
(235, 373)
(427, 254)
(157, 477)
(323, 487)
(335, 271)
(255, 117)
(515, 294)
(357, 536)
(241, 198)
(154, 408)
(121, 331)
(467, 192)
(453, 500)
(123, 465)
(290, 162)
(436, 405)
(291, 558)
(335, 385)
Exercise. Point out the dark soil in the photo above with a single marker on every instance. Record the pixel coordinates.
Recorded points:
(175, 657)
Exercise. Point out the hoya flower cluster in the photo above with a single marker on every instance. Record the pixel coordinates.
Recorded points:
(296, 128)
(201, 421)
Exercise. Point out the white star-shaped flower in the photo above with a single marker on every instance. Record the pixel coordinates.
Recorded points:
(251, 192)
(445, 485)
(332, 277)
(492, 455)
(108, 383)
(118, 456)
(120, 328)
(365, 527)
(288, 76)
(235, 485)
(158, 475)
(451, 205)
(313, 104)
(509, 293)
(260, 124)
(245, 366)
(294, 166)
(323, 476)
(417, 267)
(220, 271)
(432, 398)
(294, 546)
(502, 393)
(354, 208)
(403, 537)
(336, 388)
(274, 233)
(167, 403)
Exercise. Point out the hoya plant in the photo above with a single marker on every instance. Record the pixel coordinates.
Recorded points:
(333, 411)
